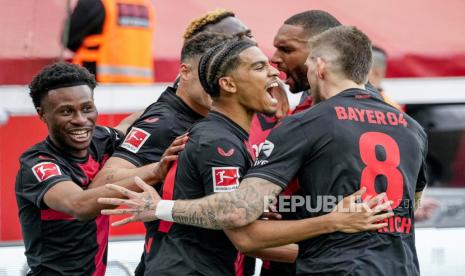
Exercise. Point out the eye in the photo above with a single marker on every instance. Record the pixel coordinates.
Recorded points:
(88, 108)
(66, 111)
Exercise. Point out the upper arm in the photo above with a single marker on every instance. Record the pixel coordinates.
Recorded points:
(87, 18)
(422, 179)
(418, 196)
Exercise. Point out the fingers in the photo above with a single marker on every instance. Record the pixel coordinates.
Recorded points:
(123, 191)
(172, 150)
(113, 201)
(383, 207)
(149, 189)
(271, 216)
(110, 212)
(124, 221)
(358, 194)
(372, 202)
(377, 226)
(381, 217)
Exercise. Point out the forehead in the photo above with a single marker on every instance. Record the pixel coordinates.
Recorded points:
(289, 34)
(69, 95)
(252, 55)
(228, 26)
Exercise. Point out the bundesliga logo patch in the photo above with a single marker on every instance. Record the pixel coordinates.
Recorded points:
(45, 170)
(225, 179)
(135, 139)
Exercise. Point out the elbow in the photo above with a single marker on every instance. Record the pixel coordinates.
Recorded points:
(242, 241)
(82, 212)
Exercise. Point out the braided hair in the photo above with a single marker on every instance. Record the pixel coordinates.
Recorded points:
(219, 61)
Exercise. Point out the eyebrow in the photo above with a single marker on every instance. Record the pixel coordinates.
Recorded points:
(261, 62)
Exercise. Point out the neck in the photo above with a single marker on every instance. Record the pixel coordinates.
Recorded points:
(334, 87)
(73, 152)
(235, 112)
(182, 93)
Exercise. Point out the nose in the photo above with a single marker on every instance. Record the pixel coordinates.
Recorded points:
(273, 72)
(79, 118)
(276, 58)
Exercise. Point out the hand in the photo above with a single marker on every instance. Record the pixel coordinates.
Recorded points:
(142, 205)
(426, 208)
(171, 154)
(271, 216)
(351, 216)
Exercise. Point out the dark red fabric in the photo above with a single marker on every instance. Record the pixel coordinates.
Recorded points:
(51, 214)
(167, 193)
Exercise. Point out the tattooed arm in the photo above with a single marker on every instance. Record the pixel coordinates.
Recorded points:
(227, 210)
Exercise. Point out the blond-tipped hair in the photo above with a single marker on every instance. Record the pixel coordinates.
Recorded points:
(200, 23)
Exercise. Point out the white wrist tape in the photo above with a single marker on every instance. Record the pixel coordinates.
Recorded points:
(165, 210)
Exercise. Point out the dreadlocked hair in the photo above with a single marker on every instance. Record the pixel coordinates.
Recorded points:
(200, 23)
(219, 61)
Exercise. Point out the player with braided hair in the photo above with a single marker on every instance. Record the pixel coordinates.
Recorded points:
(238, 77)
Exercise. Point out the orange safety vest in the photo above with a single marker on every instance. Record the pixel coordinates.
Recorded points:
(123, 52)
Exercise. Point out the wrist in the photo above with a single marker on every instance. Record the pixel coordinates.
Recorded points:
(332, 222)
(164, 210)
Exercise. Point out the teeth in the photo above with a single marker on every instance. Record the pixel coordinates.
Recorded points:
(79, 132)
(274, 84)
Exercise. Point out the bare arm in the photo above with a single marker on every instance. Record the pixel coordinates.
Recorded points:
(348, 216)
(227, 210)
(69, 198)
(283, 254)
(116, 168)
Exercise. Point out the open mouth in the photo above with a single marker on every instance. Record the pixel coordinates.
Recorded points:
(80, 135)
(269, 88)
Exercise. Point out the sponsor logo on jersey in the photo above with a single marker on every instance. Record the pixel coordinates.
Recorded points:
(152, 120)
(135, 139)
(225, 179)
(45, 170)
(267, 148)
(224, 153)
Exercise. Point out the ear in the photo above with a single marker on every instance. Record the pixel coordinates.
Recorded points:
(41, 113)
(321, 68)
(227, 84)
(185, 71)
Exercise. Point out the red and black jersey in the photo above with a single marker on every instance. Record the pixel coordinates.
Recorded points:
(56, 243)
(214, 160)
(146, 141)
(351, 140)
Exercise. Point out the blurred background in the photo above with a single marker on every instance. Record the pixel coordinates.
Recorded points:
(425, 45)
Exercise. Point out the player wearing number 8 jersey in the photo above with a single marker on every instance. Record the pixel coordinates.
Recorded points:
(351, 138)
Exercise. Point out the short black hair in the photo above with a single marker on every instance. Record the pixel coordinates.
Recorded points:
(201, 43)
(313, 22)
(219, 61)
(59, 75)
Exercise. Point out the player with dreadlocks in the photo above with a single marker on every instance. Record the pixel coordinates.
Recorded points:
(238, 77)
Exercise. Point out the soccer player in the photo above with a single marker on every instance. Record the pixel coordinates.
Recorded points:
(170, 116)
(237, 75)
(63, 231)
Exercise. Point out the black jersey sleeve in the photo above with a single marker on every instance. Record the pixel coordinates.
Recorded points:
(147, 140)
(282, 154)
(108, 138)
(38, 173)
(423, 174)
(221, 164)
